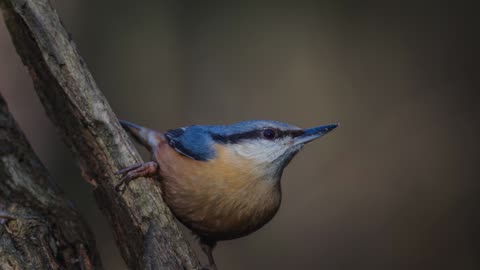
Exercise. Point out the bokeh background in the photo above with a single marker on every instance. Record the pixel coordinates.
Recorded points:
(395, 187)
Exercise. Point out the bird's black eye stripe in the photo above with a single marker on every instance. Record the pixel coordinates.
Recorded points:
(219, 138)
(296, 133)
(265, 133)
(235, 138)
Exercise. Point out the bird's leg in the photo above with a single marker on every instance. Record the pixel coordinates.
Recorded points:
(133, 172)
(207, 247)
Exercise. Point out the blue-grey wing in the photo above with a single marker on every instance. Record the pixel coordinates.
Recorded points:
(193, 142)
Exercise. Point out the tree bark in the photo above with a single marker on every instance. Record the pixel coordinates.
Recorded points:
(144, 228)
(41, 229)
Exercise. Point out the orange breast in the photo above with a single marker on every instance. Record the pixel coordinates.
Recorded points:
(220, 199)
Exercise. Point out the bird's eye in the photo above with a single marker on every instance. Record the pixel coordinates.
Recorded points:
(269, 134)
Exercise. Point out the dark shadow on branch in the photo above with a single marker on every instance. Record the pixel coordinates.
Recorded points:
(41, 229)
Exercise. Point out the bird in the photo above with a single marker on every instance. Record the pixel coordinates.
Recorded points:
(220, 181)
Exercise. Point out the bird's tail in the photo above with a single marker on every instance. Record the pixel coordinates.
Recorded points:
(146, 137)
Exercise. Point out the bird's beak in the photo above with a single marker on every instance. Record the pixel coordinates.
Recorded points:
(311, 134)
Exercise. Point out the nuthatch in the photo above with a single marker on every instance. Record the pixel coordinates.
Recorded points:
(222, 182)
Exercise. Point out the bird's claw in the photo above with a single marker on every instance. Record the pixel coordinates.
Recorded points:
(133, 172)
(127, 169)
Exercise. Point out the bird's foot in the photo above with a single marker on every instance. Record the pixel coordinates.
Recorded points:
(133, 172)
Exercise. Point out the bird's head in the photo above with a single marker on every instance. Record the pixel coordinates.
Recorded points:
(267, 145)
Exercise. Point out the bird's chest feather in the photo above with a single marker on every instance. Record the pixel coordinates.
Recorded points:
(223, 198)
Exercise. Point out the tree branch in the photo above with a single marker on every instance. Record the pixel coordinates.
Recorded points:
(41, 229)
(144, 227)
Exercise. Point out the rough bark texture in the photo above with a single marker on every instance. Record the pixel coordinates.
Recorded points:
(46, 232)
(144, 227)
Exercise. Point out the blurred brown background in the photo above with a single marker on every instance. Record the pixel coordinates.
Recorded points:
(395, 187)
